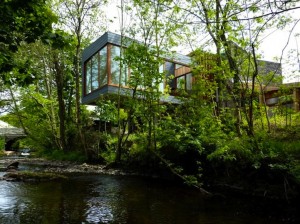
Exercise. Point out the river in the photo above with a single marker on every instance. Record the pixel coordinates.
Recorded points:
(87, 198)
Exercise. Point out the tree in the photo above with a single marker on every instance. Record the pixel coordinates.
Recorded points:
(154, 26)
(44, 98)
(234, 29)
(21, 21)
(79, 17)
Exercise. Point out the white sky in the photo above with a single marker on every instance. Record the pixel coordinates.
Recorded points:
(280, 42)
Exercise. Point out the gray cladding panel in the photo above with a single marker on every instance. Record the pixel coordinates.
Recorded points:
(182, 59)
(107, 37)
(94, 47)
(113, 38)
(92, 97)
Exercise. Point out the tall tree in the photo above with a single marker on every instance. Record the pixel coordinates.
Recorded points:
(80, 18)
(234, 28)
(154, 26)
(48, 95)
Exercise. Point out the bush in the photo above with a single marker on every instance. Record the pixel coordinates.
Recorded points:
(107, 146)
(73, 156)
(2, 143)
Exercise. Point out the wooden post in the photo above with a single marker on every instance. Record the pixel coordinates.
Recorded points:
(296, 98)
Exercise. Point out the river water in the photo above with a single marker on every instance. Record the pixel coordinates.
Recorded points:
(124, 199)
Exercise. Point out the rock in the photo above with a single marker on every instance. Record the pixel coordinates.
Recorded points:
(13, 166)
(27, 176)
(3, 169)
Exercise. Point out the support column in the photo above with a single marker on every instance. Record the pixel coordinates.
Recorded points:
(296, 99)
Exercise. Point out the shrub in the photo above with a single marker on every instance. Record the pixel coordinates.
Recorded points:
(74, 156)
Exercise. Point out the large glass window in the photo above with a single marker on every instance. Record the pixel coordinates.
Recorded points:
(115, 65)
(88, 77)
(189, 81)
(115, 68)
(95, 71)
(185, 82)
(103, 67)
(161, 84)
(124, 80)
(181, 82)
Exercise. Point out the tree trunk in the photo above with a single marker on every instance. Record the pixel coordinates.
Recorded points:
(59, 78)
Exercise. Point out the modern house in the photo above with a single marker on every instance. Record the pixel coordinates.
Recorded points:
(101, 73)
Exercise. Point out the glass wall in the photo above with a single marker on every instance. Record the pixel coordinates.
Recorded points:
(103, 67)
(115, 68)
(181, 82)
(88, 67)
(115, 65)
(161, 84)
(98, 74)
(189, 81)
(96, 71)
(185, 82)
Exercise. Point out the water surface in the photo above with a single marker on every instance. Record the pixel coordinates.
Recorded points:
(121, 199)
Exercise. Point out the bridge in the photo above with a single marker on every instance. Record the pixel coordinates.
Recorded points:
(10, 134)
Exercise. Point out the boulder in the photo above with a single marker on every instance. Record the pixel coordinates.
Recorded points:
(13, 166)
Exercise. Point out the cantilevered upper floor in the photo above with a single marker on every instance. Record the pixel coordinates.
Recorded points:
(101, 70)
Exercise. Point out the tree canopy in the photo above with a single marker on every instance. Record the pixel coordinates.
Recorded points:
(22, 21)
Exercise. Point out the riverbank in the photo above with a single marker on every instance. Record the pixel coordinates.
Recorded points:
(221, 193)
(63, 166)
(255, 188)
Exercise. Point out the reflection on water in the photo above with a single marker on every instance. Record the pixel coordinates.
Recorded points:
(113, 199)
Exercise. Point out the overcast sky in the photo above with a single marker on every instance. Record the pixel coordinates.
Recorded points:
(285, 44)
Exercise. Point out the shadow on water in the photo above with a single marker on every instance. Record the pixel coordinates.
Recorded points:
(121, 199)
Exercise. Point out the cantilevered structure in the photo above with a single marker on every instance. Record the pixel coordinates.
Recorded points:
(101, 71)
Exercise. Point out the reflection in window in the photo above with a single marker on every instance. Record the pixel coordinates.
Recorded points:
(115, 68)
(161, 84)
(115, 65)
(88, 77)
(124, 80)
(94, 80)
(103, 67)
(96, 71)
(189, 81)
(181, 82)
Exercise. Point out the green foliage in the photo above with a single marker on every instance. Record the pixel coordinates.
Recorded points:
(107, 147)
(75, 156)
(25, 21)
(2, 143)
(106, 110)
(2, 146)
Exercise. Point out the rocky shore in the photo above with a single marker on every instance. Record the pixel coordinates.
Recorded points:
(60, 167)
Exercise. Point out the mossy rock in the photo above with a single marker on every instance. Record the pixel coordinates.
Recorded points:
(27, 176)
